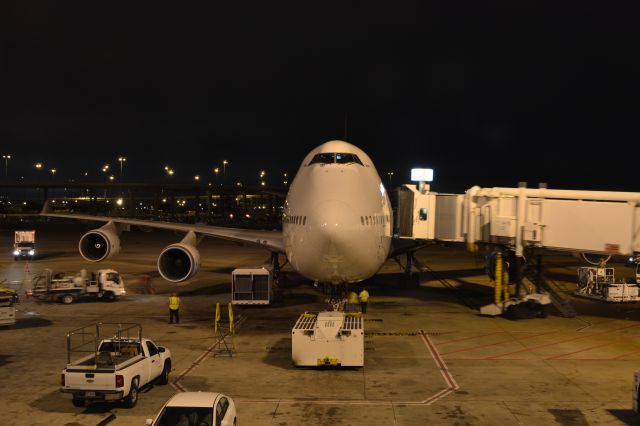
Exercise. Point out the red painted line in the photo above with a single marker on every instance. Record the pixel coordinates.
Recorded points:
(176, 382)
(575, 352)
(562, 341)
(497, 343)
(627, 354)
(469, 338)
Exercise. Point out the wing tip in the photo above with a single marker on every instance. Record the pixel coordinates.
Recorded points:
(46, 208)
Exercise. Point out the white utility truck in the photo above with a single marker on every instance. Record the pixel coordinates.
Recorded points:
(114, 368)
(105, 284)
(7, 310)
(600, 284)
(328, 338)
(24, 246)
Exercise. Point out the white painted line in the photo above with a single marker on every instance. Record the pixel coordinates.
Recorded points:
(452, 386)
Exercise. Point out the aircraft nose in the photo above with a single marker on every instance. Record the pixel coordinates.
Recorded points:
(336, 224)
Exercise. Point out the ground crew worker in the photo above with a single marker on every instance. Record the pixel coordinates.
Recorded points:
(364, 299)
(174, 308)
(352, 301)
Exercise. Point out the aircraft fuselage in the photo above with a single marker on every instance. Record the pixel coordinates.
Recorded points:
(337, 221)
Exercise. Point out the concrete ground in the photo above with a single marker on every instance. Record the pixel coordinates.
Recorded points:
(429, 357)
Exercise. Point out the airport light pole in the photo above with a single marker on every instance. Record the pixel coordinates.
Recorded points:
(390, 174)
(122, 160)
(224, 170)
(6, 157)
(262, 179)
(216, 171)
(53, 173)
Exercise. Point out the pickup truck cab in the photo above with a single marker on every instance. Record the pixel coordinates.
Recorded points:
(116, 371)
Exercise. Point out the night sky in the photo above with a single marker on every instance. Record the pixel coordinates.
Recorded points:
(487, 93)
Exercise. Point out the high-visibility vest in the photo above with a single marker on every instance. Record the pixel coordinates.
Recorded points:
(353, 297)
(364, 296)
(174, 303)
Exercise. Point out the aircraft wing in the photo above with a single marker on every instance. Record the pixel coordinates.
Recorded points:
(270, 240)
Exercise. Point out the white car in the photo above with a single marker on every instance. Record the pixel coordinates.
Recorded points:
(196, 409)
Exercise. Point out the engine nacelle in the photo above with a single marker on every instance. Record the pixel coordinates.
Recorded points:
(100, 244)
(179, 261)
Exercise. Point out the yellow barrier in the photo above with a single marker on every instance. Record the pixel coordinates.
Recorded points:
(498, 276)
(216, 320)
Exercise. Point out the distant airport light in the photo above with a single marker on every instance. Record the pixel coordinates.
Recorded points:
(119, 201)
(421, 175)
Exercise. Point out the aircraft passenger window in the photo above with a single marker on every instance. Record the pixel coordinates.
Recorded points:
(362, 220)
(304, 220)
(323, 158)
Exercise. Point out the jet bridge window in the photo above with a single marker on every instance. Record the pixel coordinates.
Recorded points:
(340, 158)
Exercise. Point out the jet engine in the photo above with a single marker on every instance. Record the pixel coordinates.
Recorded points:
(180, 261)
(100, 244)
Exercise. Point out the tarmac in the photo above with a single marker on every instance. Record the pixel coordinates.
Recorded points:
(430, 358)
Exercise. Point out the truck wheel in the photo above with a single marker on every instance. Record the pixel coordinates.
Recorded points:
(67, 299)
(109, 297)
(164, 376)
(78, 402)
(131, 399)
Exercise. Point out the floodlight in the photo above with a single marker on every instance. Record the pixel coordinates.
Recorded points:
(421, 175)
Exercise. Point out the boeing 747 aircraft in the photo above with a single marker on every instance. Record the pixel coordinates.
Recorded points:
(337, 223)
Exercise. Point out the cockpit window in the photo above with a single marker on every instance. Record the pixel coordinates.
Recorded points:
(340, 158)
(322, 159)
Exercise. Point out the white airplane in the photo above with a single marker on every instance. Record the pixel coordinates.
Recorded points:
(337, 223)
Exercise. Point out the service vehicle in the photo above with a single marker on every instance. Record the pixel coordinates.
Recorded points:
(600, 283)
(328, 338)
(24, 246)
(105, 284)
(196, 408)
(252, 285)
(7, 309)
(115, 368)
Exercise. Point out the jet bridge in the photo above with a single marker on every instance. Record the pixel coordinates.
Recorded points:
(600, 222)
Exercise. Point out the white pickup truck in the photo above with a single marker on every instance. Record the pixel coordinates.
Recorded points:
(116, 368)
